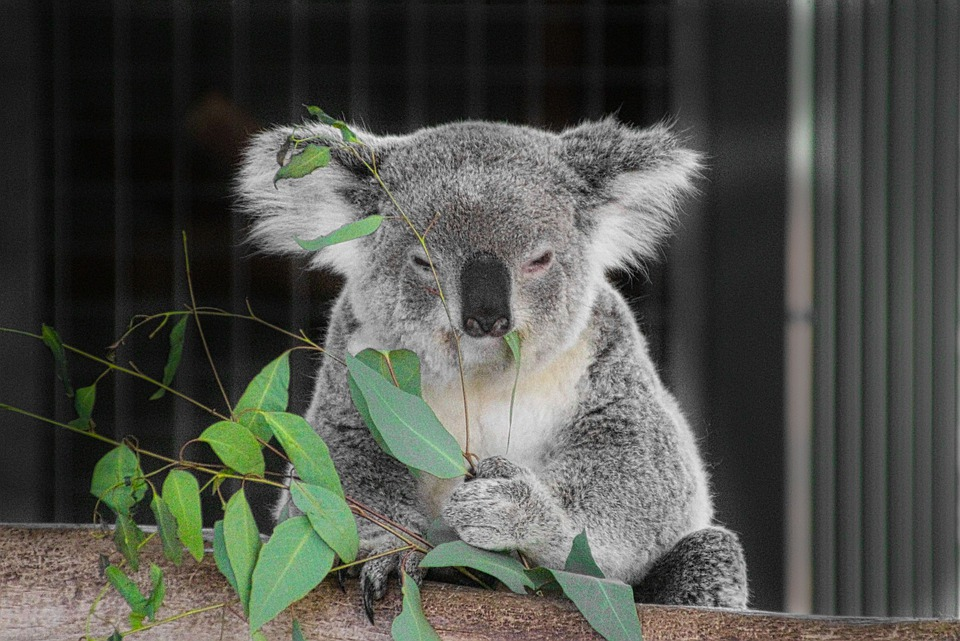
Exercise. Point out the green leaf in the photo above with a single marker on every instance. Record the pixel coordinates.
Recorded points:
(83, 402)
(311, 158)
(350, 231)
(322, 116)
(182, 495)
(128, 537)
(306, 450)
(412, 432)
(117, 480)
(52, 340)
(221, 558)
(167, 527)
(297, 632)
(174, 356)
(513, 342)
(268, 391)
(155, 600)
(501, 566)
(606, 605)
(330, 516)
(116, 636)
(294, 561)
(411, 624)
(236, 447)
(400, 364)
(580, 560)
(127, 589)
(242, 540)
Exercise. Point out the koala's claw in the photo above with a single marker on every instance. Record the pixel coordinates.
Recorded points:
(368, 604)
(342, 580)
(375, 575)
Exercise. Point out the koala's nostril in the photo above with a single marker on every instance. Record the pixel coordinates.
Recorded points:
(481, 326)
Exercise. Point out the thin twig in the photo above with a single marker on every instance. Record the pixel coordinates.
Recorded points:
(203, 339)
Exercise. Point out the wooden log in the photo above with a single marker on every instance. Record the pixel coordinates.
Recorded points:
(50, 577)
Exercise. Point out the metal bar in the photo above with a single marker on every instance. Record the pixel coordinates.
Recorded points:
(416, 64)
(122, 221)
(875, 302)
(798, 334)
(901, 187)
(946, 321)
(593, 65)
(535, 63)
(849, 516)
(825, 319)
(476, 15)
(182, 52)
(925, 43)
(359, 58)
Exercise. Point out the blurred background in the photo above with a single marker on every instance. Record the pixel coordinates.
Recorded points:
(806, 313)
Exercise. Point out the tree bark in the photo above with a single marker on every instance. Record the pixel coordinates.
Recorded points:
(50, 577)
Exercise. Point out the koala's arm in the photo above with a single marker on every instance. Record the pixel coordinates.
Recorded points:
(368, 475)
(625, 469)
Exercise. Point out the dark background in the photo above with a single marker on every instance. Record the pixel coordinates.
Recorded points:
(122, 122)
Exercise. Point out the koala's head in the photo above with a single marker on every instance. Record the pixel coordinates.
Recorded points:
(520, 224)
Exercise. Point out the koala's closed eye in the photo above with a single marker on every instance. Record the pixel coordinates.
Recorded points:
(420, 263)
(539, 264)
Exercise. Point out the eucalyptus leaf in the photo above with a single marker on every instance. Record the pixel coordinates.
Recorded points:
(128, 537)
(236, 446)
(607, 605)
(158, 591)
(182, 495)
(350, 231)
(267, 392)
(410, 429)
(305, 449)
(330, 516)
(580, 560)
(52, 340)
(297, 633)
(220, 556)
(292, 563)
(242, 540)
(311, 158)
(322, 116)
(173, 356)
(458, 554)
(411, 624)
(83, 401)
(167, 528)
(127, 589)
(118, 480)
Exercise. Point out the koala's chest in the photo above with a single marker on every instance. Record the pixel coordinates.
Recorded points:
(545, 401)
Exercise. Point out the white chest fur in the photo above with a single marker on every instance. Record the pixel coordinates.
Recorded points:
(546, 398)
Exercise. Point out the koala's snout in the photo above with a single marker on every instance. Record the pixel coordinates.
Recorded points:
(485, 296)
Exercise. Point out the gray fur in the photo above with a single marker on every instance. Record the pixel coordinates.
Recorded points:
(597, 442)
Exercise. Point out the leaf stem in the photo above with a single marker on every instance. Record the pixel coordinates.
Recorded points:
(203, 339)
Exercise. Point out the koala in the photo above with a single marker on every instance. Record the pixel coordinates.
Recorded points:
(522, 226)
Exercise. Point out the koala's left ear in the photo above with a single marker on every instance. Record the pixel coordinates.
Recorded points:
(634, 179)
(307, 207)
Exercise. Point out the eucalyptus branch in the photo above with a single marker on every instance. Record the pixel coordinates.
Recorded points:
(203, 339)
(125, 370)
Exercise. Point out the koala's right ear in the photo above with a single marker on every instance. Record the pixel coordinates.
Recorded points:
(306, 207)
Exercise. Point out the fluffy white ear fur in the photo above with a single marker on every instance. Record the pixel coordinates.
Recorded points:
(638, 177)
(302, 208)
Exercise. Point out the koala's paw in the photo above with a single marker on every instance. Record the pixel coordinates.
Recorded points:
(375, 574)
(498, 467)
(490, 513)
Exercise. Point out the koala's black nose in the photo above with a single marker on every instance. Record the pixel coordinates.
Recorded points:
(485, 291)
